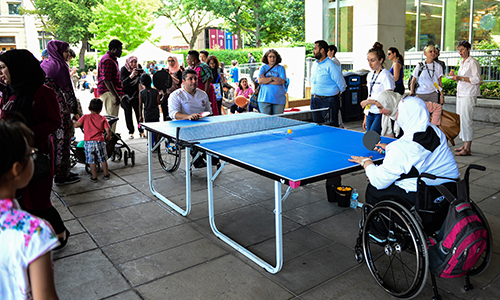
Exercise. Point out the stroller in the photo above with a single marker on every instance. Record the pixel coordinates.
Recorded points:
(113, 148)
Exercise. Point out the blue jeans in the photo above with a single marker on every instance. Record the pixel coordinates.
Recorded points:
(271, 109)
(374, 122)
(331, 102)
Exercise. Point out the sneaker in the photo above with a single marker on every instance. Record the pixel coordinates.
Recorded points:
(67, 180)
(143, 135)
(94, 180)
(106, 177)
(71, 174)
(131, 137)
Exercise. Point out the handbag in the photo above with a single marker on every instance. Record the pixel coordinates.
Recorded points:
(217, 89)
(450, 125)
(42, 166)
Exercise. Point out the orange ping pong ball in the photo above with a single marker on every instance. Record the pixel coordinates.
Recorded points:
(289, 131)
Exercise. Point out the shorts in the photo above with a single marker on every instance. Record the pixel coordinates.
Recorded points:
(97, 147)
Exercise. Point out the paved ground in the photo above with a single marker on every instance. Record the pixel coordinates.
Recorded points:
(126, 244)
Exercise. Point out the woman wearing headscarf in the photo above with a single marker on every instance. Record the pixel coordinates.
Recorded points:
(423, 148)
(26, 97)
(130, 74)
(387, 103)
(175, 71)
(59, 80)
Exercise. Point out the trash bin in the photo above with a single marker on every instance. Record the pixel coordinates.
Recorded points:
(355, 92)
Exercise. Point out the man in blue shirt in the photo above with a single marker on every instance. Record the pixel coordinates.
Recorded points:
(327, 83)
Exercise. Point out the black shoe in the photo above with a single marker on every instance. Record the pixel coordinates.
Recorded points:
(62, 241)
(106, 177)
(71, 174)
(94, 180)
(67, 180)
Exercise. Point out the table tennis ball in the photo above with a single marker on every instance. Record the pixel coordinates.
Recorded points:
(289, 131)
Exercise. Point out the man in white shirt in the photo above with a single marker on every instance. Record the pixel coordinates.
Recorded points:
(188, 102)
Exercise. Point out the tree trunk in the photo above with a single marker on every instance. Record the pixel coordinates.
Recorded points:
(240, 39)
(258, 42)
(192, 41)
(81, 58)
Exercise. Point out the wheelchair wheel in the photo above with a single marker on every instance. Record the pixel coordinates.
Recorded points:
(170, 157)
(485, 258)
(398, 259)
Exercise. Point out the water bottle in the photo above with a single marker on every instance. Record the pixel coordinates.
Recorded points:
(354, 199)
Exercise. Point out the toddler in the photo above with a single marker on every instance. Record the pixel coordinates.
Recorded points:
(93, 127)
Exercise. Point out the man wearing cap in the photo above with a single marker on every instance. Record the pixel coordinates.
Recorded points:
(327, 83)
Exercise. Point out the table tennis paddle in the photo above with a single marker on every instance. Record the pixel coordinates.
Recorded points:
(370, 139)
(241, 101)
(204, 114)
(162, 80)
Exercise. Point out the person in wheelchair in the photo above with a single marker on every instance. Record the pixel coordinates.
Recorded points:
(423, 148)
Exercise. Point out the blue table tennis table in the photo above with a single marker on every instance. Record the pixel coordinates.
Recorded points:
(262, 144)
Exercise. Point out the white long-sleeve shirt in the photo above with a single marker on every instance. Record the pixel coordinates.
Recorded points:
(469, 68)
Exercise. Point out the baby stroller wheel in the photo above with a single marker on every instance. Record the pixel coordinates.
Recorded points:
(117, 154)
(132, 157)
(125, 157)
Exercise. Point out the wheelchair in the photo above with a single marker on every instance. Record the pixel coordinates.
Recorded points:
(399, 263)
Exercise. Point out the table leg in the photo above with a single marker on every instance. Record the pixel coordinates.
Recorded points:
(277, 220)
(183, 212)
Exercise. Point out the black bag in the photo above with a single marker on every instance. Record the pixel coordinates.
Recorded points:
(462, 239)
(432, 206)
(331, 186)
(42, 166)
(418, 75)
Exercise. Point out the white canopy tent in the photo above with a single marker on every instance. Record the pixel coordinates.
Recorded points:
(148, 52)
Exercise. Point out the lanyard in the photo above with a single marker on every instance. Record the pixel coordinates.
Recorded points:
(372, 83)
(433, 70)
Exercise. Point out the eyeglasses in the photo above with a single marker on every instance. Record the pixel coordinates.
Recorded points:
(389, 53)
(33, 154)
(170, 60)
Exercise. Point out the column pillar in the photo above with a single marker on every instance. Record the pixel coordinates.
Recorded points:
(377, 20)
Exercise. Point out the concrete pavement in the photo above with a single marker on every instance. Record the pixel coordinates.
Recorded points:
(126, 244)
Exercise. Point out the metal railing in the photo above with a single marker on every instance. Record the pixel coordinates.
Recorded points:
(489, 61)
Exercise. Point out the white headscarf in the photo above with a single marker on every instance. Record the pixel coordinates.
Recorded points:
(413, 116)
(389, 101)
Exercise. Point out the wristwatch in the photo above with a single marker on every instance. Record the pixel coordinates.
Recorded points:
(272, 79)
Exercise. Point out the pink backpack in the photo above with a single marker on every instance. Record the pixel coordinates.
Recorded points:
(462, 239)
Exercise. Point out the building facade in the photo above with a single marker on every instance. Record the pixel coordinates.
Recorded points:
(408, 25)
(17, 31)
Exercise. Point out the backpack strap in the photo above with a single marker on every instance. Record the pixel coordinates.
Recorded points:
(446, 193)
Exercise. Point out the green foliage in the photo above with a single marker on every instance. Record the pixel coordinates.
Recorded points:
(267, 20)
(490, 89)
(449, 86)
(226, 56)
(68, 20)
(90, 62)
(123, 20)
(180, 12)
(486, 45)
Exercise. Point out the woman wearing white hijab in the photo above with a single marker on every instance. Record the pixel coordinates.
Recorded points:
(422, 149)
(387, 103)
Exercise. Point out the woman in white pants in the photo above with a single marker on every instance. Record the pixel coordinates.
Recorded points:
(468, 79)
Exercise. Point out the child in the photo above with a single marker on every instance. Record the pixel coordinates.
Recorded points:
(151, 99)
(25, 260)
(93, 126)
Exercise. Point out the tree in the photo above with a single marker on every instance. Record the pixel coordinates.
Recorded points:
(66, 20)
(126, 20)
(267, 20)
(189, 12)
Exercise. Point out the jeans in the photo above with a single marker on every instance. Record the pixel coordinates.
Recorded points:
(271, 109)
(374, 122)
(331, 102)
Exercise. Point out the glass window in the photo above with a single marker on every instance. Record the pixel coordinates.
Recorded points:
(431, 14)
(14, 8)
(485, 24)
(456, 23)
(344, 23)
(411, 25)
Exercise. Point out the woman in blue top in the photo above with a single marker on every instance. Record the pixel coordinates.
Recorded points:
(272, 78)
(397, 69)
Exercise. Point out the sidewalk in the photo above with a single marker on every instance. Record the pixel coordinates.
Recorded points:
(126, 244)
